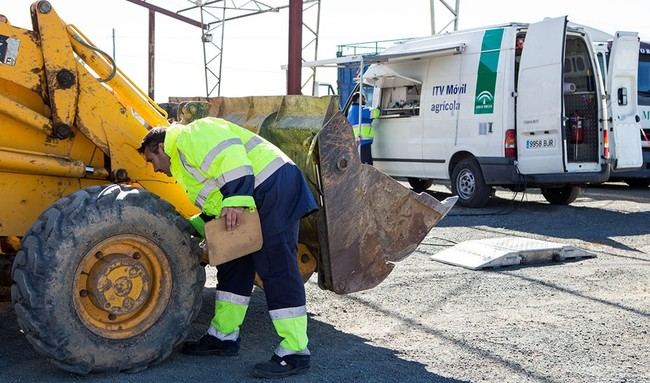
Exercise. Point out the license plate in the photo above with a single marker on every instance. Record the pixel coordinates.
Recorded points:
(541, 143)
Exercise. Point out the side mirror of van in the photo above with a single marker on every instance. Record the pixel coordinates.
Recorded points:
(622, 96)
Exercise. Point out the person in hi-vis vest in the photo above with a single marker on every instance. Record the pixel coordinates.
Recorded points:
(365, 136)
(225, 169)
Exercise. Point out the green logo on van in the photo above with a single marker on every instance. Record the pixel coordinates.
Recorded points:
(484, 98)
(486, 78)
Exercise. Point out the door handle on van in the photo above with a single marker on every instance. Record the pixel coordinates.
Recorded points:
(637, 118)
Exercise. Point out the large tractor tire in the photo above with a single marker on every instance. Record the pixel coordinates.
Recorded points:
(108, 279)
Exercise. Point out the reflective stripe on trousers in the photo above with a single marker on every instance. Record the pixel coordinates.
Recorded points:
(229, 313)
(291, 324)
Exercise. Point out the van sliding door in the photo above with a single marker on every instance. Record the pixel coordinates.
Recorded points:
(625, 125)
(539, 99)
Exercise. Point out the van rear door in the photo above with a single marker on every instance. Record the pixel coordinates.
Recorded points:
(539, 99)
(625, 145)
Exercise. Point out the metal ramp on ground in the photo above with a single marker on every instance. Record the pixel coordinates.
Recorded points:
(507, 251)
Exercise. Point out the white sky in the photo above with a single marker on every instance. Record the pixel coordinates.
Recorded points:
(256, 47)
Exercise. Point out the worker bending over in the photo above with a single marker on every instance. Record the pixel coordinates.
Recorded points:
(225, 169)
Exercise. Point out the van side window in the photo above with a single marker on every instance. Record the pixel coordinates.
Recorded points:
(401, 101)
(578, 72)
(519, 46)
(644, 80)
(603, 67)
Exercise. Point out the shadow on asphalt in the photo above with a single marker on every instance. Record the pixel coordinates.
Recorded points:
(336, 356)
(572, 291)
(479, 352)
(591, 224)
(620, 191)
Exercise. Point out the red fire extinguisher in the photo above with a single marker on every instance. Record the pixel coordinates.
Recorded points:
(577, 132)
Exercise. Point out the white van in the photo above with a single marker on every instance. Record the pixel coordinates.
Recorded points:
(517, 105)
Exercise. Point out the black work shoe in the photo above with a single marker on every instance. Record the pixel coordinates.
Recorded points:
(279, 367)
(209, 345)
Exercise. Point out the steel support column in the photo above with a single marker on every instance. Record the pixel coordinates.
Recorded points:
(152, 52)
(294, 64)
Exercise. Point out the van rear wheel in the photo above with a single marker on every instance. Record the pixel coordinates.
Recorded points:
(420, 184)
(468, 184)
(561, 195)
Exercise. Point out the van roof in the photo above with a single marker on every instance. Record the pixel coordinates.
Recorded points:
(457, 33)
(421, 43)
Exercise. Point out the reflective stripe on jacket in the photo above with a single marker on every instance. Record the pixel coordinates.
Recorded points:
(211, 152)
(367, 114)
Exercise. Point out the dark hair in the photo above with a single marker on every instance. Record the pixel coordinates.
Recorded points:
(151, 140)
(355, 98)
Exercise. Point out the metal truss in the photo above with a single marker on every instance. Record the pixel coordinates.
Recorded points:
(310, 31)
(211, 16)
(454, 11)
(214, 15)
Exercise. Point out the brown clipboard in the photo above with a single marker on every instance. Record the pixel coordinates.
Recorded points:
(224, 245)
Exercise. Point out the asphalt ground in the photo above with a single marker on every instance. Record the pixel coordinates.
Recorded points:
(580, 321)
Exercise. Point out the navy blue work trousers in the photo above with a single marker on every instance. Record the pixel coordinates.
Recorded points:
(277, 266)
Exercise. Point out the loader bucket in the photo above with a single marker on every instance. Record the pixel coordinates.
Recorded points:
(249, 112)
(367, 220)
(370, 219)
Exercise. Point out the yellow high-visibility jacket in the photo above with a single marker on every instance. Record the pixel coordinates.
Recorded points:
(209, 154)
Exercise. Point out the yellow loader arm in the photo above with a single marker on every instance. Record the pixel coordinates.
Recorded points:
(62, 127)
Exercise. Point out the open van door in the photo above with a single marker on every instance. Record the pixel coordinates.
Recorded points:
(625, 145)
(539, 98)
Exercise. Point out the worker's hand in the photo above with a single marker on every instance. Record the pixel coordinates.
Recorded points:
(233, 216)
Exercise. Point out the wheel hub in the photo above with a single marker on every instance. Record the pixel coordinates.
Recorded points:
(307, 263)
(466, 184)
(119, 284)
(122, 286)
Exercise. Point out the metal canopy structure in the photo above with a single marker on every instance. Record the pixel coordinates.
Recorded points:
(211, 17)
(450, 49)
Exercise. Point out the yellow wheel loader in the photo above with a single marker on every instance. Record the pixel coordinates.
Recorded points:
(106, 274)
